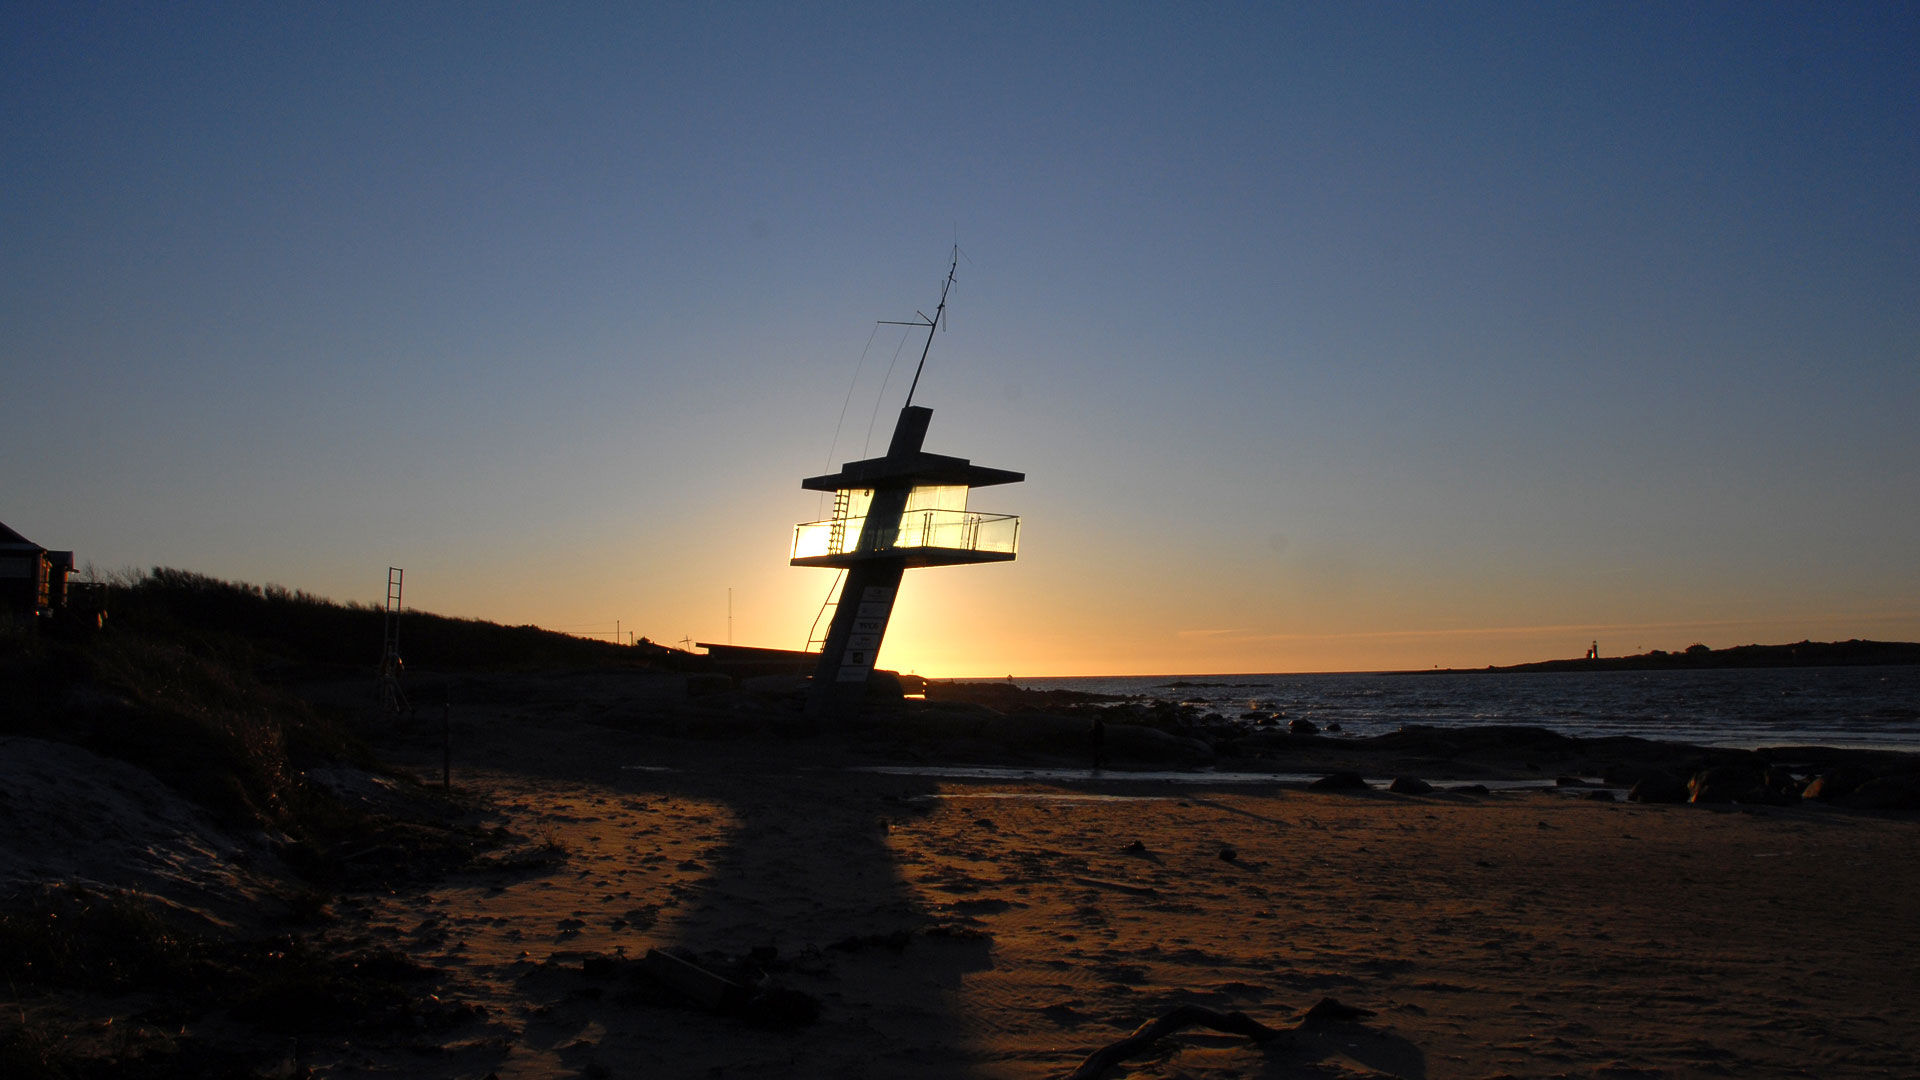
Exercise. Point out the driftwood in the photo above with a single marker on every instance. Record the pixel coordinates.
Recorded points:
(1153, 1031)
(763, 1004)
(1186, 1016)
(1117, 886)
(693, 982)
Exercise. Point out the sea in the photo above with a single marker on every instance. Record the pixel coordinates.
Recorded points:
(1864, 707)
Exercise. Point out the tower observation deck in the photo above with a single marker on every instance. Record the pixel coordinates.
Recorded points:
(905, 510)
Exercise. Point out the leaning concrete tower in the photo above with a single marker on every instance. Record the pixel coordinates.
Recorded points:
(890, 514)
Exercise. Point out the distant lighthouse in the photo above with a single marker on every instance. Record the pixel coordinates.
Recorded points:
(904, 510)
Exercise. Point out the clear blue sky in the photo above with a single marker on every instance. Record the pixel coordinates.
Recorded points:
(1331, 336)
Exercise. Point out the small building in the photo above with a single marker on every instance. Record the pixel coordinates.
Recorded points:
(31, 577)
(35, 585)
(753, 662)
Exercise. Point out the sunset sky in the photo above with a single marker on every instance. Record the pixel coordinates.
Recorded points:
(1330, 337)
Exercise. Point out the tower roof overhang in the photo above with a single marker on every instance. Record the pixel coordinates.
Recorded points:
(918, 467)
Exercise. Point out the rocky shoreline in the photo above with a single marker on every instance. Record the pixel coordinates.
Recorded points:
(985, 720)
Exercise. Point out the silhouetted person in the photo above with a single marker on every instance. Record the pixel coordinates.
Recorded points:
(1097, 736)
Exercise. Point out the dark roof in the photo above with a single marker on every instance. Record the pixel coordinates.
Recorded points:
(11, 539)
(755, 653)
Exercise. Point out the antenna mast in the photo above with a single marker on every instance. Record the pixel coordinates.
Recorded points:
(931, 324)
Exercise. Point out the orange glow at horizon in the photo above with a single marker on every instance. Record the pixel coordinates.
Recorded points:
(942, 629)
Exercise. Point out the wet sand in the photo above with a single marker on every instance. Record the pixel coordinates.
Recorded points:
(1004, 928)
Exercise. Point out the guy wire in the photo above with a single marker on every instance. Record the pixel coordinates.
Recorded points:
(882, 395)
(837, 424)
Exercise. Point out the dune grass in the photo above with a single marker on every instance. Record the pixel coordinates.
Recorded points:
(277, 624)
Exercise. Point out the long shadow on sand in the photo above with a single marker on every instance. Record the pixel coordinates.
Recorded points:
(784, 858)
(806, 869)
(805, 874)
(794, 879)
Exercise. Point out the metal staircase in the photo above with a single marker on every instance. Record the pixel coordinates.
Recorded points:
(823, 622)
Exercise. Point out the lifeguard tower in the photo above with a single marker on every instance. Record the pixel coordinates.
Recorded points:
(890, 514)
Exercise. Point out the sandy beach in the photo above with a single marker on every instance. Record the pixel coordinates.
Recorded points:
(995, 928)
(865, 912)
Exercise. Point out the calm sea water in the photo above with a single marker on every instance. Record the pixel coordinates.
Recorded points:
(1853, 706)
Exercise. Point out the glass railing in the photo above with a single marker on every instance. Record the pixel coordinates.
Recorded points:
(820, 538)
(947, 530)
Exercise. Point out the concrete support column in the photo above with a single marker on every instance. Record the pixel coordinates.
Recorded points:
(853, 639)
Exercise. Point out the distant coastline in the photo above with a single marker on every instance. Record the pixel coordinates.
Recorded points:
(1854, 653)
